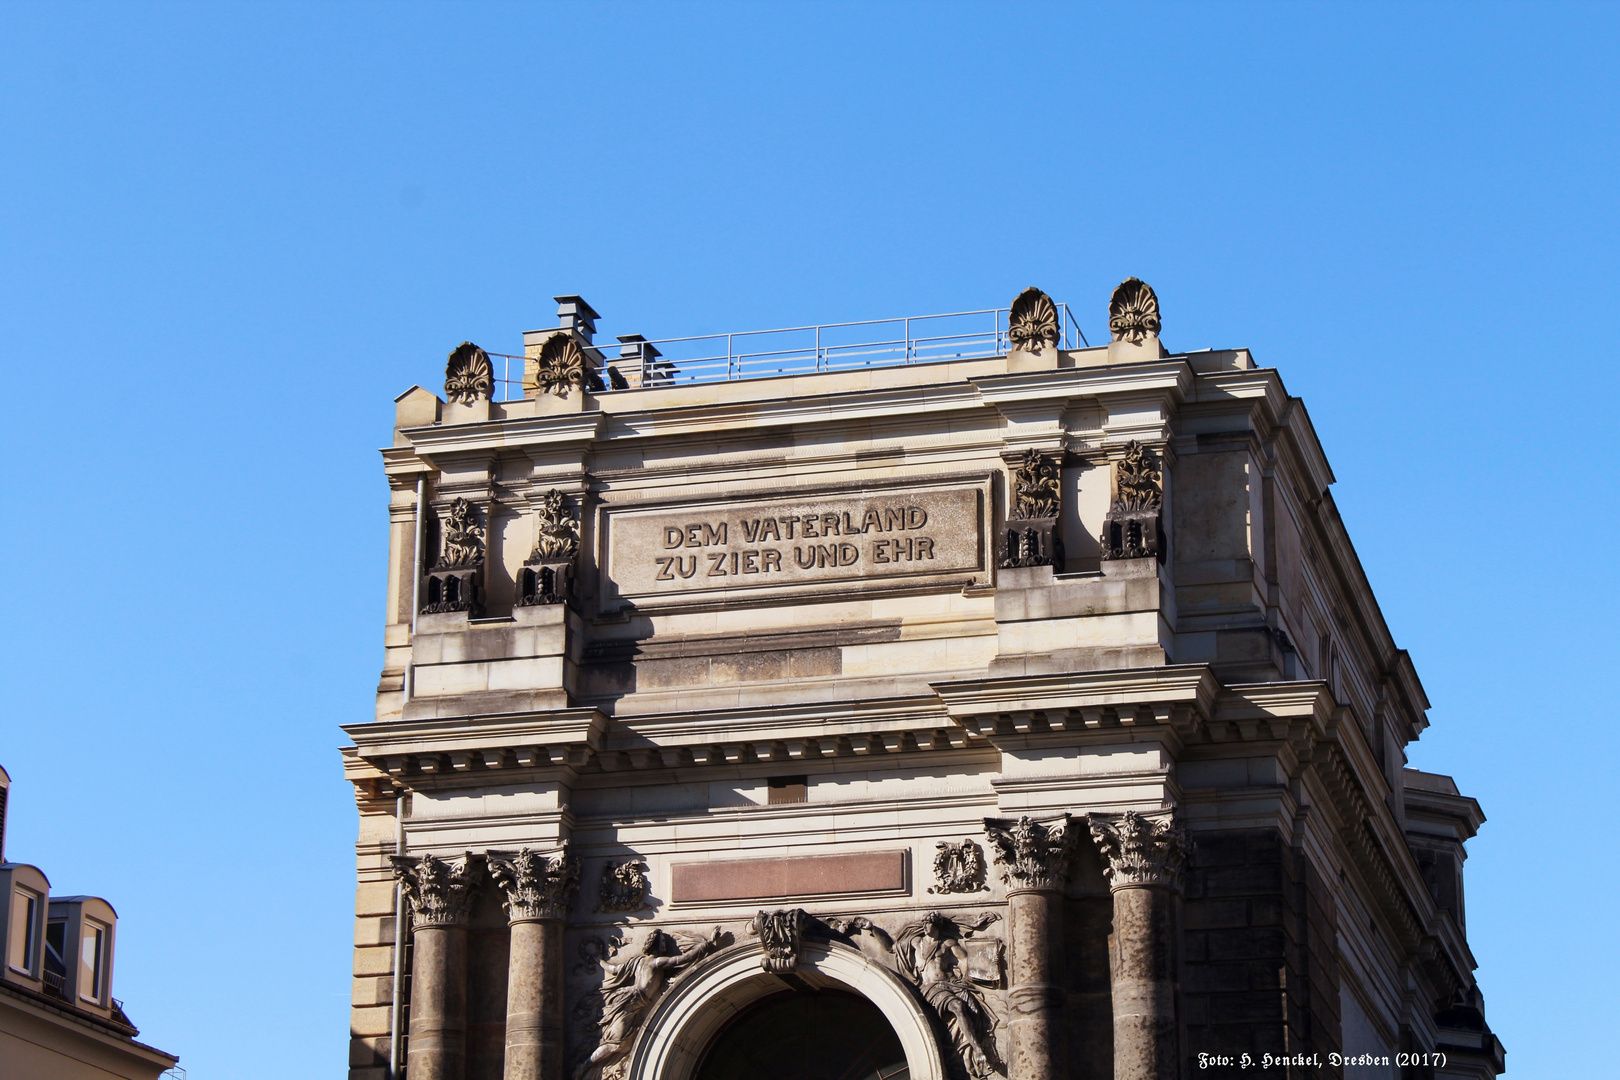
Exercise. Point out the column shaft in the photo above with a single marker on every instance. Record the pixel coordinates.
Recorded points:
(438, 1046)
(1143, 960)
(534, 1002)
(1035, 924)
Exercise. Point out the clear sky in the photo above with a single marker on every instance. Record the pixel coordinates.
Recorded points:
(231, 233)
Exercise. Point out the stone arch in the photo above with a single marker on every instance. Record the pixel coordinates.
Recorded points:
(679, 1028)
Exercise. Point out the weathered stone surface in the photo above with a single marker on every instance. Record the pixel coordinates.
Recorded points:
(768, 879)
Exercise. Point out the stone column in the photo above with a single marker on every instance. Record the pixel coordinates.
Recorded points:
(537, 895)
(439, 895)
(1142, 858)
(1033, 860)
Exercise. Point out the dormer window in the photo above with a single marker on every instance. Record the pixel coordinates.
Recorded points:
(27, 906)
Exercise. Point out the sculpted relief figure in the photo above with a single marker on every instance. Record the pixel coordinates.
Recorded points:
(629, 989)
(463, 538)
(932, 954)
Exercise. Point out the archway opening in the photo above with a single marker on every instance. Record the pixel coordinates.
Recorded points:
(806, 1035)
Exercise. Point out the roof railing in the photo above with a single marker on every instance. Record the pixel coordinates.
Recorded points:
(802, 350)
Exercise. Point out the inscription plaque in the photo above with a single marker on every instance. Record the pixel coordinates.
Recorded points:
(877, 536)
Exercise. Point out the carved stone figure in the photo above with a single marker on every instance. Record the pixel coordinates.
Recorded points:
(623, 887)
(1035, 486)
(958, 868)
(1133, 312)
(1139, 850)
(1131, 529)
(463, 537)
(563, 367)
(782, 935)
(535, 887)
(1031, 855)
(630, 988)
(439, 892)
(1032, 324)
(931, 953)
(468, 376)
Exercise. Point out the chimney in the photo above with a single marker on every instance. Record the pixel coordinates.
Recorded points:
(574, 314)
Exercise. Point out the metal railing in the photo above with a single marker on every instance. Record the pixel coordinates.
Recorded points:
(805, 350)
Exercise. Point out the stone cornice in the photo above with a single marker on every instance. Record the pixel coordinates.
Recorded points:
(1171, 376)
(561, 739)
(1179, 695)
(489, 436)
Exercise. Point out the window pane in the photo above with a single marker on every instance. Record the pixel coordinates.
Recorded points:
(24, 921)
(90, 962)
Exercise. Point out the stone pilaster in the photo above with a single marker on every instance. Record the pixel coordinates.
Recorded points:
(440, 896)
(537, 893)
(1142, 859)
(1033, 860)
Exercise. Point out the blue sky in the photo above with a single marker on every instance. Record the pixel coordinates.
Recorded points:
(232, 233)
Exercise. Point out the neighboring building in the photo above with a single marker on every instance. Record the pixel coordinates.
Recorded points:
(58, 1018)
(913, 700)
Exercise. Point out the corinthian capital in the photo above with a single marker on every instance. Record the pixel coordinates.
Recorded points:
(535, 887)
(440, 892)
(1031, 855)
(1140, 850)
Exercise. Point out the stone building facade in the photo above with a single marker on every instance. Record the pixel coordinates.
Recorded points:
(1020, 713)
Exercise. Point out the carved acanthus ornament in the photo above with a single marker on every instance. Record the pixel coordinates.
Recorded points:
(439, 892)
(468, 376)
(463, 538)
(958, 868)
(556, 532)
(1133, 312)
(1032, 324)
(1138, 473)
(562, 367)
(1131, 529)
(1031, 855)
(1035, 486)
(781, 935)
(534, 886)
(547, 576)
(948, 966)
(613, 1013)
(623, 887)
(1140, 851)
(1032, 538)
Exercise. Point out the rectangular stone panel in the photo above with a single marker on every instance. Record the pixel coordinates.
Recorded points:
(787, 878)
(877, 536)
